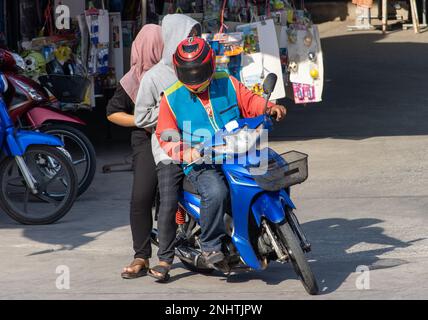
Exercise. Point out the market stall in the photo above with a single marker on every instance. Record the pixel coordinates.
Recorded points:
(88, 43)
(76, 48)
(277, 37)
(255, 38)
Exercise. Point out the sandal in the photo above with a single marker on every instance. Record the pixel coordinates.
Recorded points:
(164, 273)
(134, 275)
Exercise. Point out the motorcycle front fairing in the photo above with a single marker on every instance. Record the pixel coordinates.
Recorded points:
(17, 143)
(246, 197)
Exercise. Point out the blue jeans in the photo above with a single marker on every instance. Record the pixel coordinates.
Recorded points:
(210, 183)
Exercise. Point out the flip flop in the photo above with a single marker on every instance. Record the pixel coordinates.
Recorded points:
(135, 275)
(164, 271)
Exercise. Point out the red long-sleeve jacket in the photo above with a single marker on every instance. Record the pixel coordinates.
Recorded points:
(250, 105)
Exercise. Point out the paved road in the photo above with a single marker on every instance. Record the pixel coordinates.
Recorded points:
(365, 203)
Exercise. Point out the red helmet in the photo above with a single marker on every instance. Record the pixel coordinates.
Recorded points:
(194, 63)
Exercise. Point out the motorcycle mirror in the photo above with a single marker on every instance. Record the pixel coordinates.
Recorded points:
(170, 136)
(270, 83)
(268, 87)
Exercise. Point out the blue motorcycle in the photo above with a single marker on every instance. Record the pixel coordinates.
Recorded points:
(38, 183)
(260, 223)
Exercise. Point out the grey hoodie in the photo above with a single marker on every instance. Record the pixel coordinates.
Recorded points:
(175, 28)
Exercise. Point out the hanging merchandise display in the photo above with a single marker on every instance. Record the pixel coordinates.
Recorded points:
(228, 48)
(116, 47)
(35, 63)
(93, 47)
(54, 54)
(63, 54)
(28, 19)
(252, 52)
(99, 31)
(261, 56)
(301, 56)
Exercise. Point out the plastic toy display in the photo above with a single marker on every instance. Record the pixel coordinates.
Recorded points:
(300, 42)
(251, 52)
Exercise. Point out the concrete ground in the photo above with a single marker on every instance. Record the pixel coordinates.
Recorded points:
(365, 203)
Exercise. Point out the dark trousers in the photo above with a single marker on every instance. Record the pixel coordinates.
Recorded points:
(143, 196)
(147, 177)
(210, 183)
(170, 177)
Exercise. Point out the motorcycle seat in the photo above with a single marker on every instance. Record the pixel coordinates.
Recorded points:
(188, 187)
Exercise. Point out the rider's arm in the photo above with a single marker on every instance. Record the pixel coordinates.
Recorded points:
(168, 123)
(146, 111)
(250, 104)
(120, 108)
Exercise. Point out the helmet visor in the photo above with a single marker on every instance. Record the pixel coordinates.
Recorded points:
(194, 75)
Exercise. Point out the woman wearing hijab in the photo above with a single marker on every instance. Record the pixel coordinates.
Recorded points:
(146, 51)
(175, 28)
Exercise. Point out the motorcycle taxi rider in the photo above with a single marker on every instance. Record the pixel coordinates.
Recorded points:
(208, 100)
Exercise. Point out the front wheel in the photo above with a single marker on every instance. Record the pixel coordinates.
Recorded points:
(297, 258)
(53, 175)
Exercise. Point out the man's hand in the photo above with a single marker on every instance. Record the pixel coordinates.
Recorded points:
(278, 112)
(190, 155)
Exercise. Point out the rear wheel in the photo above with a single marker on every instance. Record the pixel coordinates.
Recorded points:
(77, 147)
(297, 258)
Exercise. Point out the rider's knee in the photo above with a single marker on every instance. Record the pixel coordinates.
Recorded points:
(217, 194)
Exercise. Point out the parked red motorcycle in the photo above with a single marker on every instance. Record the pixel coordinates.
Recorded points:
(30, 107)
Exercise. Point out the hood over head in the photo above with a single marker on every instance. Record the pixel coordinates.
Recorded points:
(175, 28)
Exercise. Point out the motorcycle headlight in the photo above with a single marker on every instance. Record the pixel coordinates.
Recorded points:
(34, 94)
(20, 63)
(243, 140)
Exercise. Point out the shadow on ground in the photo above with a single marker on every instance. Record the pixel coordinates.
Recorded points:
(331, 259)
(371, 89)
(103, 208)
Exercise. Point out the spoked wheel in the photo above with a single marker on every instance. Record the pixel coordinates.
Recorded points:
(79, 149)
(297, 258)
(54, 175)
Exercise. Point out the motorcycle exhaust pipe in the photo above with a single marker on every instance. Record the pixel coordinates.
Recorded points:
(191, 256)
(188, 254)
